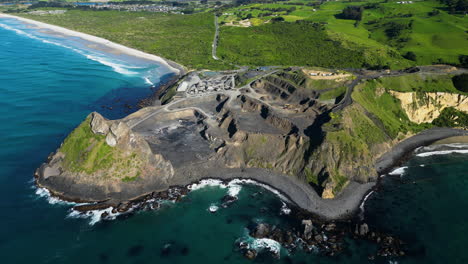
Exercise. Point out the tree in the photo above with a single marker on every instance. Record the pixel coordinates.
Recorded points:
(461, 82)
(277, 19)
(410, 56)
(463, 60)
(352, 12)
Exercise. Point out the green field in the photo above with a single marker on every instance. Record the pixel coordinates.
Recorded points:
(185, 39)
(307, 34)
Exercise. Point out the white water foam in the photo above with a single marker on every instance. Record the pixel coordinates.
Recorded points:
(44, 193)
(285, 210)
(271, 245)
(361, 206)
(442, 152)
(213, 208)
(117, 67)
(94, 216)
(398, 171)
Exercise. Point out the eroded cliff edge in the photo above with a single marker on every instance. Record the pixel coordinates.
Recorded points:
(278, 129)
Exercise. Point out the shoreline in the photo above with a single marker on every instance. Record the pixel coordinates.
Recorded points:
(346, 205)
(112, 46)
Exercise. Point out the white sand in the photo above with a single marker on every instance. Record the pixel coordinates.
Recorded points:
(107, 43)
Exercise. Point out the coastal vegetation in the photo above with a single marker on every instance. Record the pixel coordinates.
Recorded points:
(87, 152)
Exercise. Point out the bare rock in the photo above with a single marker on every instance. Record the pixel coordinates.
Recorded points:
(262, 230)
(307, 228)
(111, 140)
(250, 254)
(363, 229)
(99, 125)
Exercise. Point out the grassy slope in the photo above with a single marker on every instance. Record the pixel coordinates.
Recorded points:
(432, 38)
(185, 39)
(89, 153)
(284, 44)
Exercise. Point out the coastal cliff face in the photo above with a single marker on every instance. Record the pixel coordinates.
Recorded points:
(425, 107)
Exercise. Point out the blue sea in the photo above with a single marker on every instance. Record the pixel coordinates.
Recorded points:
(49, 84)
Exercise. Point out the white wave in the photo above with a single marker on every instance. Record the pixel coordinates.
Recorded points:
(362, 205)
(205, 183)
(117, 67)
(398, 171)
(94, 216)
(148, 81)
(264, 186)
(122, 69)
(44, 193)
(233, 189)
(213, 208)
(271, 245)
(442, 152)
(285, 210)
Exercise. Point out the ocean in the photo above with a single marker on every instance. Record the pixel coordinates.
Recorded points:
(49, 84)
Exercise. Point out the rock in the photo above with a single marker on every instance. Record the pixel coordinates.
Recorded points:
(104, 215)
(120, 130)
(318, 238)
(363, 229)
(99, 125)
(250, 254)
(50, 171)
(123, 207)
(289, 238)
(111, 140)
(330, 227)
(261, 231)
(227, 200)
(307, 228)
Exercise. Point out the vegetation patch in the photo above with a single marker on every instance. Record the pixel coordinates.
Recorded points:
(89, 153)
(451, 117)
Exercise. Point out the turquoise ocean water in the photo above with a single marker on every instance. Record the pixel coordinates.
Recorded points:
(48, 84)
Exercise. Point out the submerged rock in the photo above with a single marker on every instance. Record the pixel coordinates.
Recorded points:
(261, 231)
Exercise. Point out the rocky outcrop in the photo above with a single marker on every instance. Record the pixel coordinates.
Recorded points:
(425, 107)
(102, 160)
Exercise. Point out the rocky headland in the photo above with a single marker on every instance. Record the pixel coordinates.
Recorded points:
(274, 128)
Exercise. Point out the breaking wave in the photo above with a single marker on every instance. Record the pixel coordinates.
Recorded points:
(116, 65)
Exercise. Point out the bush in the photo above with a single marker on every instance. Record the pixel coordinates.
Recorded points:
(461, 82)
(463, 60)
(451, 117)
(277, 19)
(410, 56)
(352, 12)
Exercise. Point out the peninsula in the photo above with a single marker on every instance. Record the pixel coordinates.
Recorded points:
(321, 136)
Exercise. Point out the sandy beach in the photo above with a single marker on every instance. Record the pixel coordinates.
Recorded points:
(111, 46)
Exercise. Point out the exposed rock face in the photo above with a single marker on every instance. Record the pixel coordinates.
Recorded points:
(425, 107)
(99, 125)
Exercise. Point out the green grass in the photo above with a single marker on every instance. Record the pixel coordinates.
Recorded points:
(332, 94)
(373, 96)
(86, 151)
(284, 44)
(420, 83)
(186, 39)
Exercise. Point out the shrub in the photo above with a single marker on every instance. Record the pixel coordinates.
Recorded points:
(461, 82)
(352, 12)
(410, 56)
